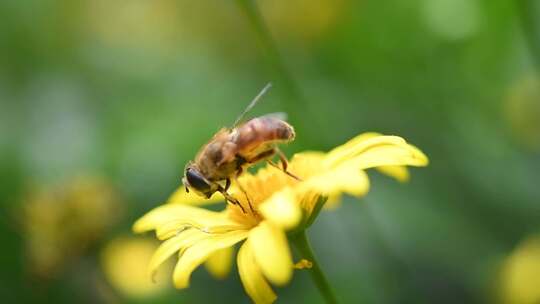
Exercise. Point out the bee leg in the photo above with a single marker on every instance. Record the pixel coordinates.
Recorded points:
(263, 155)
(227, 184)
(231, 199)
(243, 190)
(273, 164)
(284, 164)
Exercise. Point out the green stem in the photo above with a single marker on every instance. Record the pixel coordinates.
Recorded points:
(277, 65)
(531, 27)
(249, 8)
(301, 243)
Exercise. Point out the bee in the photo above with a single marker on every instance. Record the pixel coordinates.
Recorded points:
(233, 150)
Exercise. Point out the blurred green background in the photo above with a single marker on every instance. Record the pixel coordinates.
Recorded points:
(103, 102)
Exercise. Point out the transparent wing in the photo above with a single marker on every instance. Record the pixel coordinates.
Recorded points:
(279, 115)
(252, 104)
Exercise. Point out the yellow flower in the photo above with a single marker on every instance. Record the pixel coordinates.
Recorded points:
(63, 221)
(280, 203)
(520, 273)
(318, 17)
(521, 110)
(123, 263)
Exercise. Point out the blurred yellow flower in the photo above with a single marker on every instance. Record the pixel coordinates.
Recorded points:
(302, 20)
(62, 222)
(520, 275)
(124, 264)
(280, 203)
(522, 109)
(151, 25)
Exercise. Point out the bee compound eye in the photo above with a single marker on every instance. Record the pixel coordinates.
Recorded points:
(197, 181)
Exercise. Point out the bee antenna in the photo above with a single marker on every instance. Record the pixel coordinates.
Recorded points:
(252, 103)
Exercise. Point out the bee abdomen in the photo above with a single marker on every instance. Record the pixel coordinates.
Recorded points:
(285, 132)
(262, 130)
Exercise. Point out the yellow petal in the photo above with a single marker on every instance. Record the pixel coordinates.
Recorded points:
(282, 209)
(172, 228)
(199, 252)
(350, 148)
(254, 283)
(219, 263)
(398, 172)
(389, 155)
(355, 141)
(345, 178)
(307, 163)
(176, 212)
(375, 145)
(173, 245)
(333, 202)
(124, 262)
(271, 252)
(343, 166)
(180, 196)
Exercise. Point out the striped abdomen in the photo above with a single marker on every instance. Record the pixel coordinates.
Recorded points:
(259, 133)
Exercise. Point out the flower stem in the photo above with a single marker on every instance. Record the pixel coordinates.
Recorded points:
(277, 65)
(301, 243)
(531, 27)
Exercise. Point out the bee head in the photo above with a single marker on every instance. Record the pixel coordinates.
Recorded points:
(194, 180)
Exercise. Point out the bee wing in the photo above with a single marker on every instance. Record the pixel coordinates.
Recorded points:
(279, 115)
(251, 104)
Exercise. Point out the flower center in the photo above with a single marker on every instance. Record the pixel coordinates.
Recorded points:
(253, 191)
